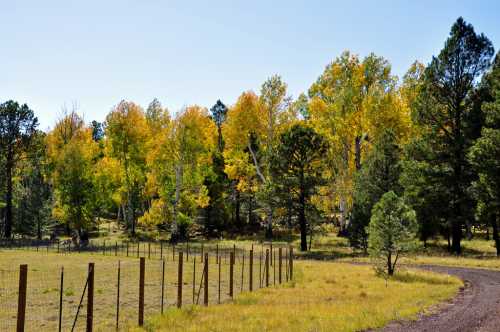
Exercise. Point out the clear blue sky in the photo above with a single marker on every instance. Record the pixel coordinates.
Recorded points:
(97, 53)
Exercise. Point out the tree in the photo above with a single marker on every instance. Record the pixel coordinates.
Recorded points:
(219, 113)
(17, 128)
(378, 175)
(178, 165)
(484, 156)
(127, 135)
(33, 194)
(350, 104)
(297, 166)
(391, 231)
(72, 151)
(443, 109)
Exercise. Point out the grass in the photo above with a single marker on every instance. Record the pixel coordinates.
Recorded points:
(44, 283)
(325, 296)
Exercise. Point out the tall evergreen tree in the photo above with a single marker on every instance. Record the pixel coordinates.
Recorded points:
(17, 128)
(484, 156)
(298, 168)
(443, 110)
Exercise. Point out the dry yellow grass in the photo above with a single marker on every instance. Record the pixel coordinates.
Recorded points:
(325, 296)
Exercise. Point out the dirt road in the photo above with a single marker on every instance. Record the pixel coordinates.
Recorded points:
(476, 308)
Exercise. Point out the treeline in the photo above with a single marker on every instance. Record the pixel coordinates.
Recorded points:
(270, 161)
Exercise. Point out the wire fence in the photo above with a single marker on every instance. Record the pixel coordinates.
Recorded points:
(114, 294)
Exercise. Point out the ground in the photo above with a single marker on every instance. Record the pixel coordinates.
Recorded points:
(335, 288)
(326, 296)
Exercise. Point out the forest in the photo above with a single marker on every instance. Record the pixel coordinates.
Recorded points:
(361, 144)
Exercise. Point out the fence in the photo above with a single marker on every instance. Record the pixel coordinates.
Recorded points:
(114, 294)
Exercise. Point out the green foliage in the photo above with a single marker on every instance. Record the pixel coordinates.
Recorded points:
(484, 156)
(297, 166)
(443, 112)
(378, 175)
(17, 128)
(392, 231)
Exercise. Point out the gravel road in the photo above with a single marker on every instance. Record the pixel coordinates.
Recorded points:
(475, 308)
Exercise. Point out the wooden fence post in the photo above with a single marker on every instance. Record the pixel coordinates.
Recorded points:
(250, 271)
(286, 264)
(179, 281)
(202, 251)
(290, 265)
(194, 277)
(162, 282)
(21, 302)
(217, 253)
(280, 262)
(161, 249)
(205, 287)
(149, 250)
(138, 244)
(267, 267)
(90, 298)
(218, 279)
(61, 292)
(271, 253)
(231, 271)
(118, 297)
(104, 248)
(127, 248)
(142, 270)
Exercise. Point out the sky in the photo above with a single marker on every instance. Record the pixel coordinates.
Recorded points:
(94, 54)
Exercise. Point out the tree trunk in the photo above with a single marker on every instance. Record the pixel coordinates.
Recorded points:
(178, 184)
(237, 208)
(357, 152)
(302, 220)
(269, 223)
(494, 224)
(390, 269)
(9, 165)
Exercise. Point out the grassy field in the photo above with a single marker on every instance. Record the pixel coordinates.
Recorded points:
(325, 296)
(44, 283)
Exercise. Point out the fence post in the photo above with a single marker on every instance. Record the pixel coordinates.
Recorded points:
(205, 287)
(218, 300)
(127, 248)
(116, 248)
(286, 264)
(271, 253)
(161, 249)
(290, 265)
(280, 262)
(194, 277)
(250, 270)
(142, 270)
(267, 267)
(231, 271)
(217, 253)
(21, 303)
(58, 246)
(138, 244)
(118, 297)
(179, 281)
(104, 248)
(149, 250)
(61, 291)
(90, 298)
(162, 282)
(242, 271)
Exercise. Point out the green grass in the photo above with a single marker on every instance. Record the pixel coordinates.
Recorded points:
(325, 296)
